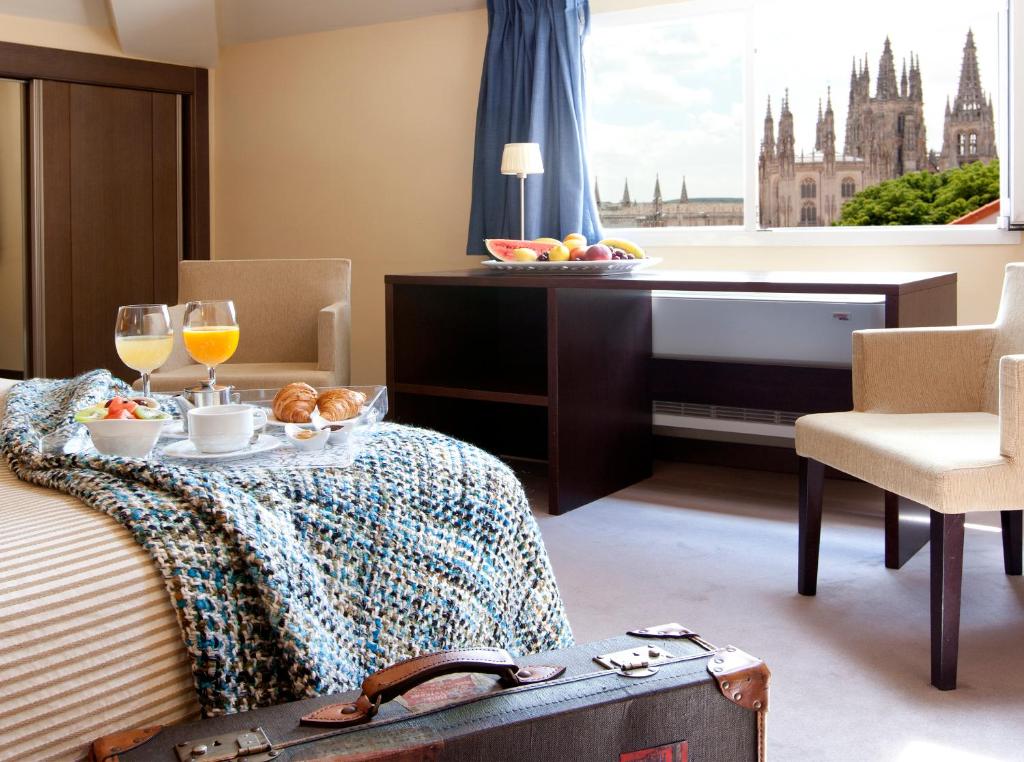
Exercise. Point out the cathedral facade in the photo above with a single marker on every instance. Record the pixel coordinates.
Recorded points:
(885, 138)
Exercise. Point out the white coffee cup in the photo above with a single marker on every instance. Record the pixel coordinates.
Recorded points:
(224, 428)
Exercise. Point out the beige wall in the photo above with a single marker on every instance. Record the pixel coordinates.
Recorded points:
(355, 143)
(359, 143)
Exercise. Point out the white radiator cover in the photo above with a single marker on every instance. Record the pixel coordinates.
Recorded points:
(776, 329)
(773, 329)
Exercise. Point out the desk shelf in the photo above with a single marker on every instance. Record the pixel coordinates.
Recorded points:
(470, 343)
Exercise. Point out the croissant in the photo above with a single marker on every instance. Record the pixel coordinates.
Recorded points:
(295, 403)
(340, 404)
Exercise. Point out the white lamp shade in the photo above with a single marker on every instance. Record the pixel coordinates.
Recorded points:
(521, 159)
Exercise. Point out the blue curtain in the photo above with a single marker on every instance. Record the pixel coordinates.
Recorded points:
(532, 91)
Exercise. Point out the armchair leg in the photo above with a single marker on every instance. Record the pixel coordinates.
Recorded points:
(812, 484)
(906, 529)
(1012, 540)
(947, 540)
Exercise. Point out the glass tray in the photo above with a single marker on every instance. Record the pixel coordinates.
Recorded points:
(74, 438)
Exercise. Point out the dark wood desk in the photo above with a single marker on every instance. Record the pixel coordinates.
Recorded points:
(559, 368)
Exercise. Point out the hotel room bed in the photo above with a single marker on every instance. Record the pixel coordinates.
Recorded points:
(284, 584)
(89, 641)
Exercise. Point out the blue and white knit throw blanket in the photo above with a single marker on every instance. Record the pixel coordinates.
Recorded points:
(297, 582)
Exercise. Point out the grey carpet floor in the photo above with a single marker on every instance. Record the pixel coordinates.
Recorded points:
(715, 549)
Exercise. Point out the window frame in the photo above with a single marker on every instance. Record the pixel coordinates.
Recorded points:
(1010, 132)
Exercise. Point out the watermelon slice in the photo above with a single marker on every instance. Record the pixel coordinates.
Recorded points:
(502, 248)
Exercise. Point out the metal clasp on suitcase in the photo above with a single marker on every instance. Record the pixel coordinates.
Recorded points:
(635, 662)
(249, 745)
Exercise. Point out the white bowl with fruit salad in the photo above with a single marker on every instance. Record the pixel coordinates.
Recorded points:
(124, 426)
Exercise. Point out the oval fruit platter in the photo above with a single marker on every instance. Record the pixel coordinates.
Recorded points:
(573, 256)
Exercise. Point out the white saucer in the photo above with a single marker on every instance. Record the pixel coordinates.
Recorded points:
(185, 450)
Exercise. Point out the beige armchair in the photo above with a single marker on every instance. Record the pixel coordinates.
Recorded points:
(938, 418)
(294, 319)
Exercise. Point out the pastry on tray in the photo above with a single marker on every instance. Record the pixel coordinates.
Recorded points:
(295, 403)
(340, 404)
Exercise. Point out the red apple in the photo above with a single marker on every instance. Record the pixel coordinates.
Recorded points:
(598, 252)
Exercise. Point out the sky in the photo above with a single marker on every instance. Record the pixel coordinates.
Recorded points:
(666, 96)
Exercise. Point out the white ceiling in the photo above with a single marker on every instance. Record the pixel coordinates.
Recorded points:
(182, 31)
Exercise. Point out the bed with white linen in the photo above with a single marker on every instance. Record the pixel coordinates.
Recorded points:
(286, 582)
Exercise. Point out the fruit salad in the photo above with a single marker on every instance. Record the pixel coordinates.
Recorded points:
(124, 409)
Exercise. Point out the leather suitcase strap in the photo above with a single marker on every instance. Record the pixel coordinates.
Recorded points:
(395, 680)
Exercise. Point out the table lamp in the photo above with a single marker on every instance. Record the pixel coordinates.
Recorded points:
(522, 159)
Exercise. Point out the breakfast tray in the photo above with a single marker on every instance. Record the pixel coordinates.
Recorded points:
(75, 437)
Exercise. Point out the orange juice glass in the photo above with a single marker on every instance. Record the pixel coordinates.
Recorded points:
(211, 345)
(210, 333)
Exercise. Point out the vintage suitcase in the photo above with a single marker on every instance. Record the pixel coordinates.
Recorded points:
(658, 694)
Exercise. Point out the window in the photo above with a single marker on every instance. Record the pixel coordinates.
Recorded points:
(713, 98)
(666, 118)
(808, 214)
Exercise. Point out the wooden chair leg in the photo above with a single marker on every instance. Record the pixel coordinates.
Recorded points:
(1013, 522)
(906, 529)
(812, 484)
(947, 530)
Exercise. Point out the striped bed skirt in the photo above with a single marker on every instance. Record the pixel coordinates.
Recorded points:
(89, 642)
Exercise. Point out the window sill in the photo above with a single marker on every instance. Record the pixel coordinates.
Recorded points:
(918, 235)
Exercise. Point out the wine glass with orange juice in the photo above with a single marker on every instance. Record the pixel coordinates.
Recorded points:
(210, 333)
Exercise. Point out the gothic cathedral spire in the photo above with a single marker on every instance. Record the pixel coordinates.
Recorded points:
(768, 139)
(969, 133)
(786, 145)
(626, 201)
(683, 195)
(828, 136)
(657, 190)
(970, 94)
(886, 87)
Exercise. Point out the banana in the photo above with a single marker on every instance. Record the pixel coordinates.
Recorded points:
(552, 241)
(627, 246)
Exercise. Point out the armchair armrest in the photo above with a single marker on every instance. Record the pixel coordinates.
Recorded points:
(1011, 405)
(333, 327)
(921, 370)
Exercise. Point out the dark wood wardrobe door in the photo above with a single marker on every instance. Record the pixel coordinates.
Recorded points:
(112, 201)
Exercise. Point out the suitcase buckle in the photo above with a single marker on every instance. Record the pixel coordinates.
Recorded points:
(635, 662)
(249, 745)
